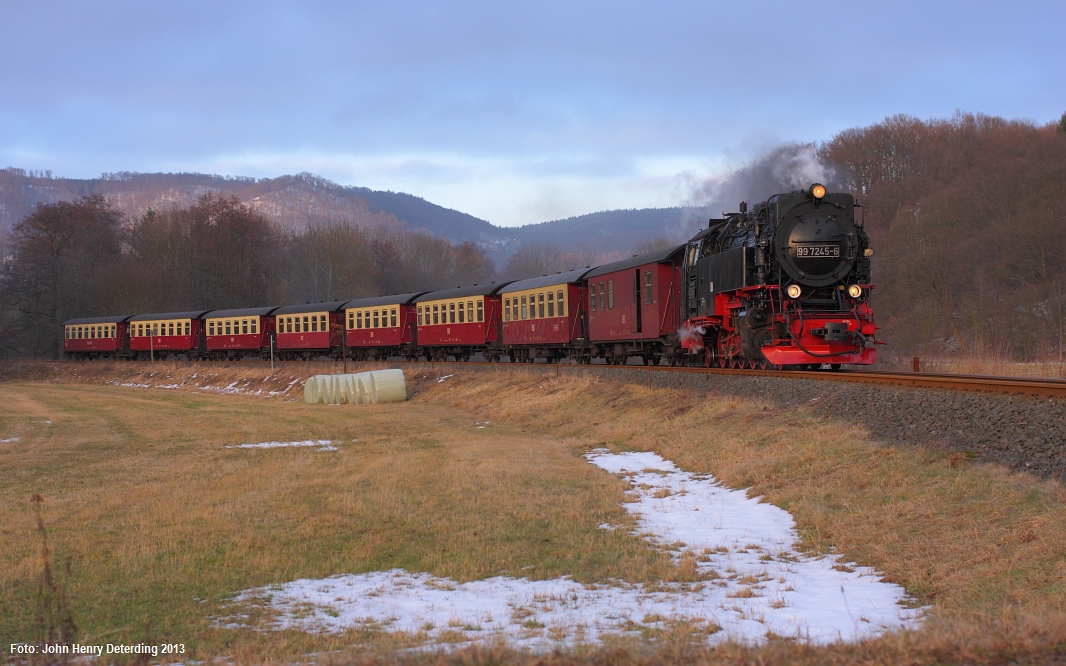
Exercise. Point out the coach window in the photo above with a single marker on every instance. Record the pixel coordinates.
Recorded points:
(322, 323)
(244, 327)
(462, 313)
(592, 296)
(525, 311)
(647, 287)
(376, 318)
(507, 309)
(450, 316)
(188, 325)
(392, 318)
(540, 305)
(480, 310)
(171, 328)
(314, 323)
(229, 327)
(610, 294)
(551, 304)
(435, 314)
(603, 298)
(253, 323)
(559, 301)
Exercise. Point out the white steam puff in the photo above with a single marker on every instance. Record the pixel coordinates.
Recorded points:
(801, 169)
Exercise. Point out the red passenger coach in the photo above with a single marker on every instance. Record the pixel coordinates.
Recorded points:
(95, 337)
(633, 308)
(306, 331)
(545, 318)
(234, 334)
(382, 327)
(460, 322)
(164, 334)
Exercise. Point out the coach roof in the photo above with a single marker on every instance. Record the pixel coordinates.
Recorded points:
(395, 299)
(546, 281)
(242, 312)
(96, 320)
(195, 314)
(462, 292)
(331, 306)
(633, 262)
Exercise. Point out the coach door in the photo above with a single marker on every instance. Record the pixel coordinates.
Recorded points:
(636, 298)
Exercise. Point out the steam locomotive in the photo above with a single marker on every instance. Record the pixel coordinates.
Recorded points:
(784, 285)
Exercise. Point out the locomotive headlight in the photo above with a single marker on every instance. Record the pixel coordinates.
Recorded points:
(793, 291)
(817, 190)
(868, 252)
(854, 291)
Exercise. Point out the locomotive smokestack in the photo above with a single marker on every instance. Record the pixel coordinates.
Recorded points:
(743, 206)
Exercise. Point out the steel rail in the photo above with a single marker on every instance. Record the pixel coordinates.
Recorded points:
(935, 380)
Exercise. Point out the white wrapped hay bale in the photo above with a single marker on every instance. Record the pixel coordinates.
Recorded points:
(361, 388)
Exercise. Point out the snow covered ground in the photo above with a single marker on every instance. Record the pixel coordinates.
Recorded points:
(319, 444)
(756, 582)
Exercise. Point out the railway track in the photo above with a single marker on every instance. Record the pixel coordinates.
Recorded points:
(935, 380)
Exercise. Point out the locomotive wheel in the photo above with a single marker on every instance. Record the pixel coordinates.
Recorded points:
(752, 364)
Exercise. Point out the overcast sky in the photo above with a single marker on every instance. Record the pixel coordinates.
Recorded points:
(514, 112)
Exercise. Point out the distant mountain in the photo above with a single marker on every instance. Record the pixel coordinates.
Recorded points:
(613, 233)
(295, 202)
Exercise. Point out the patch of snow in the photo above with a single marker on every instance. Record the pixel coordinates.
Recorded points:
(319, 444)
(754, 582)
(441, 379)
(9, 440)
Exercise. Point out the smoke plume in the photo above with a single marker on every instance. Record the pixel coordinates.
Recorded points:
(785, 169)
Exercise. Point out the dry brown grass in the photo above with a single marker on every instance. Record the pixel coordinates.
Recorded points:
(424, 490)
(990, 364)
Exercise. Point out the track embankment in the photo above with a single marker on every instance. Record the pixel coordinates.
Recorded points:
(1022, 431)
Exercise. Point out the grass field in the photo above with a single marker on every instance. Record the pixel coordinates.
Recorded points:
(163, 523)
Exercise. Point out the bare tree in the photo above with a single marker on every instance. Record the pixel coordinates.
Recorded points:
(58, 252)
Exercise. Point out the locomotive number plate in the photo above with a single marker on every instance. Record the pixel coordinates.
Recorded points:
(818, 251)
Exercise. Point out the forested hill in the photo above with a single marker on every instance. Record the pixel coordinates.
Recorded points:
(297, 202)
(292, 202)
